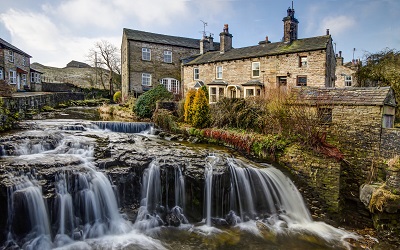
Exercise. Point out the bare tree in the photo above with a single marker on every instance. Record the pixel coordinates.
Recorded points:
(106, 55)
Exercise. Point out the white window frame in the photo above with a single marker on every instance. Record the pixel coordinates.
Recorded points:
(218, 72)
(348, 80)
(11, 56)
(167, 56)
(1, 74)
(146, 54)
(196, 73)
(255, 69)
(12, 76)
(303, 61)
(146, 79)
(24, 61)
(215, 93)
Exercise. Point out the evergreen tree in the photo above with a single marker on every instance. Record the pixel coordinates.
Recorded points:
(201, 110)
(189, 106)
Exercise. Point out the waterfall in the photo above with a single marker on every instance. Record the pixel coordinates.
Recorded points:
(154, 210)
(208, 174)
(25, 201)
(125, 127)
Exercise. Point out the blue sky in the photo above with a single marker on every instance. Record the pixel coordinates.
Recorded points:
(55, 32)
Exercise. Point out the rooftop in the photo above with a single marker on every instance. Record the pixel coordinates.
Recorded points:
(265, 49)
(8, 45)
(367, 96)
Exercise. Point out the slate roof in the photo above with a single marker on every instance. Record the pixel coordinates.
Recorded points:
(367, 96)
(143, 36)
(8, 45)
(265, 49)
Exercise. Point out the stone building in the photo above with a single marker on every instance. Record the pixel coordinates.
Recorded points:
(14, 66)
(252, 71)
(149, 59)
(346, 72)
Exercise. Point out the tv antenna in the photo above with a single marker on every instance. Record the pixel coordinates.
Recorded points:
(204, 28)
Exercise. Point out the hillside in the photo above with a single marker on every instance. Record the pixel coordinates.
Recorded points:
(81, 77)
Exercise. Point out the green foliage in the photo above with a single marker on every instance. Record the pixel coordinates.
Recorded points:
(165, 120)
(47, 109)
(146, 103)
(117, 97)
(205, 89)
(201, 110)
(188, 107)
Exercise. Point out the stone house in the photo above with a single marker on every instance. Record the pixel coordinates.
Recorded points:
(149, 59)
(252, 71)
(14, 66)
(346, 72)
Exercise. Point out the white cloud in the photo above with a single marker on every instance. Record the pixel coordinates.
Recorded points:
(337, 24)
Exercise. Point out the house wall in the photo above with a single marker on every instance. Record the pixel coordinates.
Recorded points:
(135, 66)
(18, 62)
(237, 72)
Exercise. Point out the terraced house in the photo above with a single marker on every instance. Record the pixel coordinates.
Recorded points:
(252, 71)
(14, 66)
(149, 59)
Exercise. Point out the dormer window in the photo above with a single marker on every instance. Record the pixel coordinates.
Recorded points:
(146, 54)
(11, 56)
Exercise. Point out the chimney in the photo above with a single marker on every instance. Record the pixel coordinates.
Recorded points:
(327, 32)
(204, 45)
(211, 40)
(225, 40)
(265, 41)
(290, 26)
(339, 59)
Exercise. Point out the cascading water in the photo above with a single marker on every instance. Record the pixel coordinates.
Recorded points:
(153, 208)
(125, 127)
(81, 210)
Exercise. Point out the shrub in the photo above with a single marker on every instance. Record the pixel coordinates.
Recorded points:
(165, 120)
(201, 110)
(146, 103)
(188, 107)
(117, 97)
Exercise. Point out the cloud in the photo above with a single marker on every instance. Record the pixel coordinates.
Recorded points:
(337, 24)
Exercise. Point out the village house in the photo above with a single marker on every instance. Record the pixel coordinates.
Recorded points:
(252, 71)
(346, 72)
(149, 59)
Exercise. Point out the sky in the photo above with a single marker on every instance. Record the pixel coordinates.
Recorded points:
(54, 32)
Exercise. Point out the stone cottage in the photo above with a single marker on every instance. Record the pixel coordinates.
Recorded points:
(149, 59)
(346, 72)
(252, 71)
(14, 66)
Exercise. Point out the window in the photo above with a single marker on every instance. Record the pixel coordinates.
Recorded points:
(196, 74)
(172, 85)
(216, 93)
(301, 81)
(388, 121)
(347, 81)
(303, 61)
(146, 54)
(12, 77)
(219, 72)
(146, 79)
(168, 56)
(1, 74)
(282, 81)
(24, 61)
(11, 56)
(249, 92)
(325, 115)
(255, 68)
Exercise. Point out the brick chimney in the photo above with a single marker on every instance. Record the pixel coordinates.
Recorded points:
(225, 40)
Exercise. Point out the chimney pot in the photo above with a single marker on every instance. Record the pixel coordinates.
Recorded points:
(340, 53)
(327, 32)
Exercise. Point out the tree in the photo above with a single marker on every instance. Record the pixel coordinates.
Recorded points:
(146, 103)
(201, 110)
(381, 69)
(189, 106)
(106, 55)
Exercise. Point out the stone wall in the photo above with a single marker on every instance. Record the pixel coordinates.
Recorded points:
(34, 102)
(390, 142)
(133, 64)
(59, 87)
(237, 72)
(318, 179)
